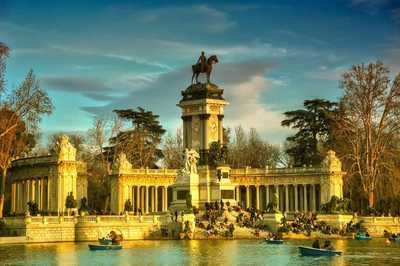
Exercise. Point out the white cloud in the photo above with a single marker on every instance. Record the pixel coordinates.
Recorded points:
(199, 17)
(247, 109)
(326, 73)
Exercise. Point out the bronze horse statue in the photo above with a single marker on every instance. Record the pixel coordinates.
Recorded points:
(207, 68)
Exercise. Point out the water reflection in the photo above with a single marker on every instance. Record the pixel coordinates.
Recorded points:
(203, 252)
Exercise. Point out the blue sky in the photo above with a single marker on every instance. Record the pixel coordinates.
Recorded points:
(95, 56)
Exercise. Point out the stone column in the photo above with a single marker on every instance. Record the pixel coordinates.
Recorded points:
(296, 203)
(305, 197)
(247, 196)
(257, 197)
(238, 195)
(165, 198)
(146, 201)
(13, 190)
(38, 194)
(156, 199)
(266, 195)
(286, 198)
(220, 129)
(142, 190)
(137, 201)
(312, 198)
(278, 198)
(162, 199)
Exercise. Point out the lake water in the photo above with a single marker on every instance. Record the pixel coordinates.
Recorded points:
(202, 252)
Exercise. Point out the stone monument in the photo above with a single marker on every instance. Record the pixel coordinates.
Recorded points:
(202, 106)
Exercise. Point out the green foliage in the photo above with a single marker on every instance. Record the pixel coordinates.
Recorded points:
(217, 154)
(141, 142)
(313, 130)
(248, 149)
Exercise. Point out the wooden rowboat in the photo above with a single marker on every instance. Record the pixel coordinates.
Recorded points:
(394, 239)
(308, 251)
(362, 237)
(104, 247)
(105, 241)
(274, 241)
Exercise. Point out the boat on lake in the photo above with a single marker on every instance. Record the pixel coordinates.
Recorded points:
(105, 241)
(274, 241)
(309, 251)
(394, 239)
(360, 236)
(104, 247)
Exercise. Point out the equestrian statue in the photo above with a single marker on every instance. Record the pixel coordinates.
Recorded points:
(203, 65)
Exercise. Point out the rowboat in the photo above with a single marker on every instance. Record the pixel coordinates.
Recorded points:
(274, 241)
(104, 247)
(362, 237)
(105, 241)
(394, 239)
(308, 251)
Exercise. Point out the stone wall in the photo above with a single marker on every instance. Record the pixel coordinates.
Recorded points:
(83, 228)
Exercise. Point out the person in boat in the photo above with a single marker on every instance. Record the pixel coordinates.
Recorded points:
(366, 234)
(328, 245)
(316, 244)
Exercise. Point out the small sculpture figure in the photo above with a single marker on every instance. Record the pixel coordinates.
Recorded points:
(190, 157)
(64, 149)
(121, 163)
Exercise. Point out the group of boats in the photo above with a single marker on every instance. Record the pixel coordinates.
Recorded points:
(315, 250)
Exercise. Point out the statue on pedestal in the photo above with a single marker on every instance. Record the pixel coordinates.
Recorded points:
(203, 66)
(64, 149)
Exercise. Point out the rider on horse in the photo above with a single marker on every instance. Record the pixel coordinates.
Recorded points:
(202, 60)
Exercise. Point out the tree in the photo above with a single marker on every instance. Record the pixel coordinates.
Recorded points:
(367, 124)
(141, 142)
(250, 150)
(313, 131)
(21, 112)
(173, 151)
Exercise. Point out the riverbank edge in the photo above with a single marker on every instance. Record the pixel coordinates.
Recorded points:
(23, 240)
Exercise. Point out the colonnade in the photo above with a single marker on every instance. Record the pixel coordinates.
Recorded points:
(289, 197)
(149, 199)
(32, 189)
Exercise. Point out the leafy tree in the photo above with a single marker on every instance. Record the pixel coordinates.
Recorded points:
(141, 142)
(250, 150)
(313, 131)
(21, 110)
(367, 125)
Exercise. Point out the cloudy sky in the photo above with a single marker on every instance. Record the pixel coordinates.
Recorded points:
(100, 55)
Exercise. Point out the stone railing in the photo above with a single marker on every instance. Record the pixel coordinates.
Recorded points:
(148, 171)
(275, 171)
(21, 220)
(29, 161)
